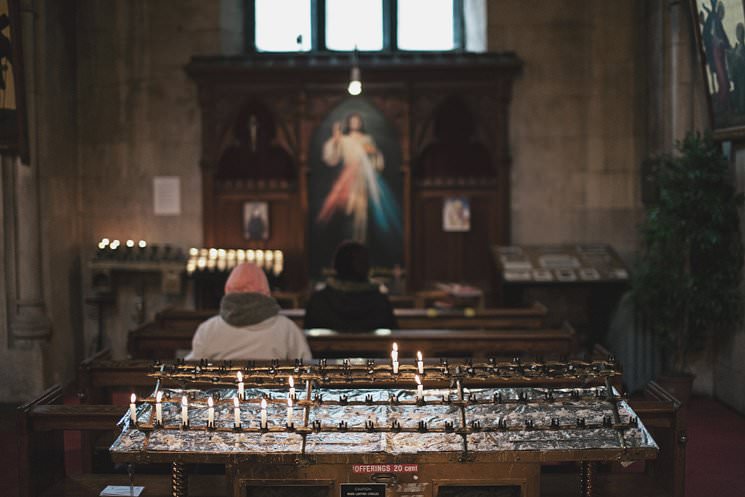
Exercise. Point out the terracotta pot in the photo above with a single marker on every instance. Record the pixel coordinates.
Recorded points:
(679, 385)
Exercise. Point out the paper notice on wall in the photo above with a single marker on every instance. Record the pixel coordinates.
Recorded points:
(167, 195)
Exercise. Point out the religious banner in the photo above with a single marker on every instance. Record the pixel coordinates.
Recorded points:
(355, 186)
(13, 134)
(720, 31)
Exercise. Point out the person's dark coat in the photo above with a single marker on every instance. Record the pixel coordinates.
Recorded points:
(349, 306)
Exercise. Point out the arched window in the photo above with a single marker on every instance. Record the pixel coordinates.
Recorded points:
(367, 25)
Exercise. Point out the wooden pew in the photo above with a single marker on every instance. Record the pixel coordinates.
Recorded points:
(41, 452)
(157, 343)
(444, 343)
(171, 329)
(663, 416)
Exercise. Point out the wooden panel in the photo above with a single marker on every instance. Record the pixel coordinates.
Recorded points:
(455, 256)
(300, 90)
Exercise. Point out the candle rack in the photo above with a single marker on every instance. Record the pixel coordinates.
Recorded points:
(469, 392)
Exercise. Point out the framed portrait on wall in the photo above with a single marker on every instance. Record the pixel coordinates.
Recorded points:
(13, 131)
(256, 221)
(719, 26)
(456, 214)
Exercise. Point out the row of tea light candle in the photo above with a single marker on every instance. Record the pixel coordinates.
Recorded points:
(222, 260)
(210, 411)
(242, 393)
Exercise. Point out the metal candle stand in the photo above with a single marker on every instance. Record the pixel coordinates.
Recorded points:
(592, 378)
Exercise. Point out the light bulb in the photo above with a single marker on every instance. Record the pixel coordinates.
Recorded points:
(355, 83)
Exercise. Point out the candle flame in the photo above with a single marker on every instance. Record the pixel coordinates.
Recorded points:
(395, 347)
(418, 355)
(184, 401)
(158, 396)
(291, 381)
(210, 402)
(133, 398)
(263, 403)
(417, 379)
(235, 401)
(240, 376)
(142, 244)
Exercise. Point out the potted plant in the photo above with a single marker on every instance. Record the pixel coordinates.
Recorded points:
(687, 284)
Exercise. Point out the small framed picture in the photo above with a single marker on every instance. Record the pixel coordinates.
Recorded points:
(256, 220)
(456, 214)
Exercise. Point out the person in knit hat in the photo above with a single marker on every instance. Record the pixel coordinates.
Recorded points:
(249, 325)
(350, 301)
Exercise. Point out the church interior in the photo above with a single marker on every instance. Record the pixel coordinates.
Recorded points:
(539, 201)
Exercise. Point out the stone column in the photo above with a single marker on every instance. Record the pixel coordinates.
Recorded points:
(30, 320)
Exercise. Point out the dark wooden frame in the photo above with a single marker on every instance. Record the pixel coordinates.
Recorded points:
(721, 132)
(16, 140)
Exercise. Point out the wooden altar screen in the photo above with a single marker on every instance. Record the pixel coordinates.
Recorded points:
(282, 99)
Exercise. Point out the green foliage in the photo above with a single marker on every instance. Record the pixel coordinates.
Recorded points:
(688, 281)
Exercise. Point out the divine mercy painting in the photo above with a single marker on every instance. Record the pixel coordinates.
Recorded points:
(355, 186)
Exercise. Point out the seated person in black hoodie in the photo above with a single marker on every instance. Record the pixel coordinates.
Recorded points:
(350, 301)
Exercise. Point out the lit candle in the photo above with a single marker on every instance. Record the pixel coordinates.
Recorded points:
(289, 411)
(158, 408)
(419, 363)
(263, 414)
(210, 413)
(291, 381)
(394, 358)
(142, 244)
(133, 409)
(236, 413)
(130, 243)
(419, 388)
(184, 410)
(241, 392)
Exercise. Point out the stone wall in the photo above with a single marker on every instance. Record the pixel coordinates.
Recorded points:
(139, 118)
(578, 130)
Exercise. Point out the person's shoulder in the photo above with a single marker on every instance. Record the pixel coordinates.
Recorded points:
(212, 323)
(285, 323)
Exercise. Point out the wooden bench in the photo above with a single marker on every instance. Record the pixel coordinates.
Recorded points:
(163, 343)
(41, 452)
(502, 343)
(172, 329)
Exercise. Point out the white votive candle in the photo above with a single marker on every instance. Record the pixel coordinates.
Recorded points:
(419, 387)
(241, 392)
(263, 414)
(236, 412)
(210, 412)
(158, 408)
(291, 382)
(289, 411)
(419, 363)
(394, 358)
(133, 409)
(184, 410)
